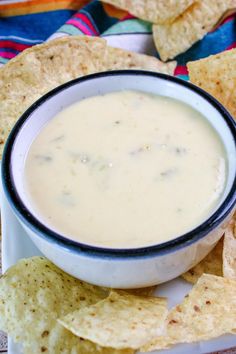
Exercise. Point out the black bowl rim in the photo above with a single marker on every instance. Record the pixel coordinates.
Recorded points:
(167, 247)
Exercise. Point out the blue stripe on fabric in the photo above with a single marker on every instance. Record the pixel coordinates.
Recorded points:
(70, 29)
(183, 77)
(17, 39)
(3, 60)
(34, 26)
(213, 43)
(10, 50)
(132, 26)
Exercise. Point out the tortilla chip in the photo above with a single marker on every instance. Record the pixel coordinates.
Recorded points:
(43, 67)
(33, 294)
(208, 311)
(229, 251)
(211, 264)
(120, 321)
(87, 347)
(152, 10)
(216, 74)
(118, 58)
(175, 38)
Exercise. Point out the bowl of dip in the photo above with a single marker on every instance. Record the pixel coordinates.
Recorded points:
(123, 179)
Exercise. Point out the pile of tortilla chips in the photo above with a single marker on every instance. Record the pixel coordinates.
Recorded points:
(49, 311)
(177, 24)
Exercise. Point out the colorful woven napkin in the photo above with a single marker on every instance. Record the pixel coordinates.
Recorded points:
(25, 23)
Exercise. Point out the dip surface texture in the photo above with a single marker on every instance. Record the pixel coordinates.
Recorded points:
(127, 169)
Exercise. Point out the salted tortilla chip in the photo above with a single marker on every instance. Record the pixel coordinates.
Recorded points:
(117, 58)
(191, 26)
(155, 11)
(211, 264)
(43, 67)
(122, 320)
(216, 74)
(229, 251)
(33, 294)
(208, 311)
(87, 347)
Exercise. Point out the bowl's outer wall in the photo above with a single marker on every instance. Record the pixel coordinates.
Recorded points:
(128, 273)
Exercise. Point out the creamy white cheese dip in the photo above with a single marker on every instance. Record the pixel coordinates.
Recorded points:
(126, 169)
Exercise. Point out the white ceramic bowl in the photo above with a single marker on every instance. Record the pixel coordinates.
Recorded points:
(118, 268)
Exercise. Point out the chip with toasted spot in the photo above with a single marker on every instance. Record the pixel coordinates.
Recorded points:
(122, 320)
(155, 11)
(33, 294)
(229, 250)
(191, 26)
(216, 74)
(208, 311)
(211, 264)
(43, 67)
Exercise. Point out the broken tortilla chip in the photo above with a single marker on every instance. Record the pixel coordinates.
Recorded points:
(121, 321)
(43, 67)
(229, 251)
(155, 11)
(216, 74)
(211, 264)
(208, 311)
(191, 26)
(33, 294)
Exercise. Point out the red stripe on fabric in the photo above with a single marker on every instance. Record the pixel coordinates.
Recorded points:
(228, 19)
(128, 17)
(80, 26)
(14, 45)
(86, 20)
(7, 55)
(181, 70)
(233, 45)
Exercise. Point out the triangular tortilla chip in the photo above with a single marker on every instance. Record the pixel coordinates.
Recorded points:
(191, 26)
(208, 311)
(117, 58)
(216, 74)
(120, 321)
(155, 11)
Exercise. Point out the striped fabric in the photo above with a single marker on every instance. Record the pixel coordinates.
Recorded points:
(24, 23)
